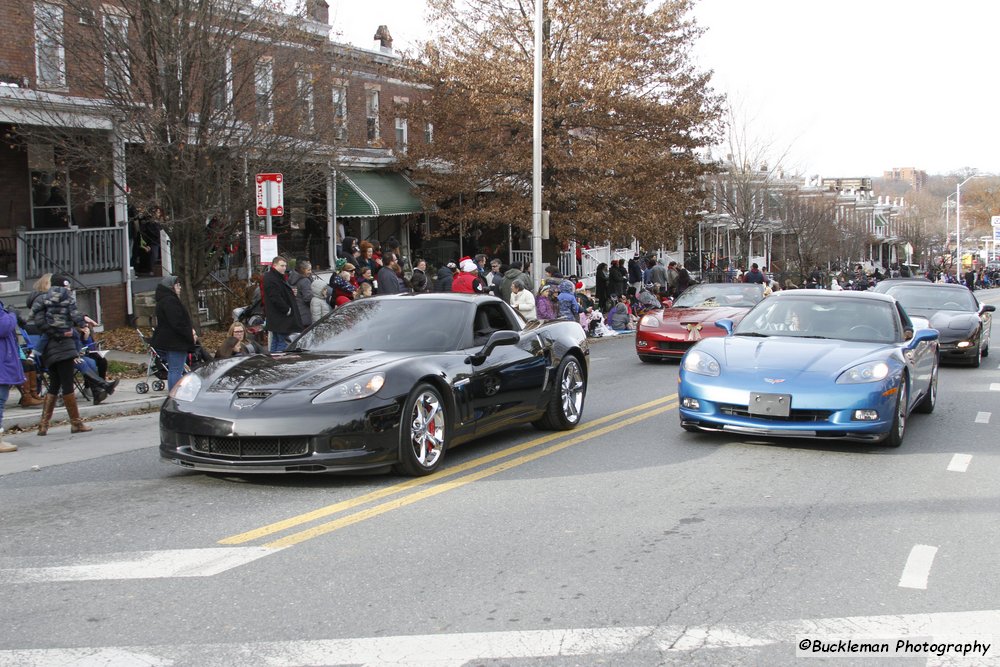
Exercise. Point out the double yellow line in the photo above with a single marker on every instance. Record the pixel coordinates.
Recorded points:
(435, 486)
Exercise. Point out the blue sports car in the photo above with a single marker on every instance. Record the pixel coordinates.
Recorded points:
(812, 364)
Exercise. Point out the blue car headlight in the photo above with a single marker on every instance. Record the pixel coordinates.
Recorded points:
(187, 388)
(701, 363)
(871, 371)
(361, 386)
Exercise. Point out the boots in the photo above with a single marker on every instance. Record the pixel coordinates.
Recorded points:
(76, 422)
(29, 399)
(6, 446)
(47, 410)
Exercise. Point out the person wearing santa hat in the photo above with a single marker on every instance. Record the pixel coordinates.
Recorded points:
(468, 280)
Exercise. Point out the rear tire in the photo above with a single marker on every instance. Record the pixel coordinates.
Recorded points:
(898, 429)
(566, 404)
(423, 432)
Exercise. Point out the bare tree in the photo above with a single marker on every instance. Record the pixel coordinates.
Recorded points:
(205, 93)
(811, 220)
(625, 116)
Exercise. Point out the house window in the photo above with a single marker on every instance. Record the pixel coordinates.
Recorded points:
(371, 113)
(50, 204)
(402, 135)
(429, 133)
(263, 88)
(50, 58)
(222, 86)
(340, 111)
(116, 63)
(308, 118)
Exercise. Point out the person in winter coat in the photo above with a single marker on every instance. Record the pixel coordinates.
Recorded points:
(569, 307)
(683, 281)
(93, 366)
(418, 279)
(616, 278)
(635, 271)
(445, 277)
(300, 280)
(468, 281)
(546, 302)
(174, 335)
(279, 305)
(320, 304)
(388, 277)
(601, 286)
(620, 316)
(56, 316)
(522, 300)
(11, 372)
(515, 271)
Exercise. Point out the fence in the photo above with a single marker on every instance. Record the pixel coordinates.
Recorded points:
(77, 251)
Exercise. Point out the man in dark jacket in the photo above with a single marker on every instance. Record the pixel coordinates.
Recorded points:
(515, 272)
(754, 275)
(635, 272)
(174, 335)
(445, 277)
(387, 277)
(279, 305)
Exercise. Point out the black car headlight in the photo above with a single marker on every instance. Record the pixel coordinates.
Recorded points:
(361, 386)
(187, 388)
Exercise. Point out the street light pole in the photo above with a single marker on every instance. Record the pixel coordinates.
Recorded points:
(958, 227)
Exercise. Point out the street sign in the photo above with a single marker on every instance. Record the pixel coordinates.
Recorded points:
(268, 248)
(270, 195)
(995, 221)
(996, 234)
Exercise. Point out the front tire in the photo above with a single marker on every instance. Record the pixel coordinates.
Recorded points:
(566, 405)
(978, 359)
(423, 432)
(926, 405)
(898, 429)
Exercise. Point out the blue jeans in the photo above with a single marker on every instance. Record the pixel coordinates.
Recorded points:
(279, 342)
(4, 395)
(175, 366)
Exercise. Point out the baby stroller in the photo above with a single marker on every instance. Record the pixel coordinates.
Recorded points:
(156, 366)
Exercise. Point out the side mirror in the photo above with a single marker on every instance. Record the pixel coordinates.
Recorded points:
(496, 339)
(988, 308)
(921, 336)
(726, 324)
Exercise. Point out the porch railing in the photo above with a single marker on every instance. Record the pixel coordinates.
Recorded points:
(77, 251)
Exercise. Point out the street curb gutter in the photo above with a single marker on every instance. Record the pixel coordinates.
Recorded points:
(24, 420)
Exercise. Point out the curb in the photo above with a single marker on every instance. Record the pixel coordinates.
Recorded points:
(28, 418)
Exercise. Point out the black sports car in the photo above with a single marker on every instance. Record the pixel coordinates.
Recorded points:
(391, 380)
(964, 324)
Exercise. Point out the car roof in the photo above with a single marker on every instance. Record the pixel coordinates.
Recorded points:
(442, 296)
(920, 281)
(828, 294)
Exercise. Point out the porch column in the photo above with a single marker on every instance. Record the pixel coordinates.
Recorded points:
(120, 184)
(331, 215)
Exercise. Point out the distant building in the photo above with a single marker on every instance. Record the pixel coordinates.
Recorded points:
(917, 178)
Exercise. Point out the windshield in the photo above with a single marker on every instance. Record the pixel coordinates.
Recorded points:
(389, 325)
(715, 295)
(846, 318)
(928, 297)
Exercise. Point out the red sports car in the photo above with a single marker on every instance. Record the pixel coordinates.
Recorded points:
(668, 333)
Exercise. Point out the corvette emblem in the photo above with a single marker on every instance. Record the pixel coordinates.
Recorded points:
(774, 380)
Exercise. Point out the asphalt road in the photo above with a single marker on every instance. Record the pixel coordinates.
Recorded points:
(625, 542)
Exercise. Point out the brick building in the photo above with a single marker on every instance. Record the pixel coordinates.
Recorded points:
(56, 214)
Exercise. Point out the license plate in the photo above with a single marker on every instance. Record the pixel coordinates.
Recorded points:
(770, 405)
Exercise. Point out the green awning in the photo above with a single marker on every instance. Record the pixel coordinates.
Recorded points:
(370, 194)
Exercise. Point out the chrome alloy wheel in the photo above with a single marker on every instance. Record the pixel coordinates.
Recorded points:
(901, 407)
(427, 429)
(571, 391)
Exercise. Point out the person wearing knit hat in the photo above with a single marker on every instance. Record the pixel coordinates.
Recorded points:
(468, 281)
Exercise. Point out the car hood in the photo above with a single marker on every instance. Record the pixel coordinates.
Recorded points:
(295, 371)
(949, 322)
(676, 317)
(795, 356)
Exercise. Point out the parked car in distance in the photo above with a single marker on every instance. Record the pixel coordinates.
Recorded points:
(964, 324)
(812, 364)
(670, 332)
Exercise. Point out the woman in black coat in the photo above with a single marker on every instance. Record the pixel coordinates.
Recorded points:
(601, 285)
(174, 336)
(616, 278)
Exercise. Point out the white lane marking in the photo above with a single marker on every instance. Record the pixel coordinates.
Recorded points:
(918, 567)
(983, 417)
(451, 650)
(995, 386)
(140, 565)
(959, 463)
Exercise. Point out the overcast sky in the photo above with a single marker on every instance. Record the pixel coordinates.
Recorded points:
(847, 87)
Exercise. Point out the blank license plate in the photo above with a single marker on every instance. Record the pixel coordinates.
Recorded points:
(770, 405)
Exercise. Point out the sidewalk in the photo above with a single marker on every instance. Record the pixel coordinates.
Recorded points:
(124, 400)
